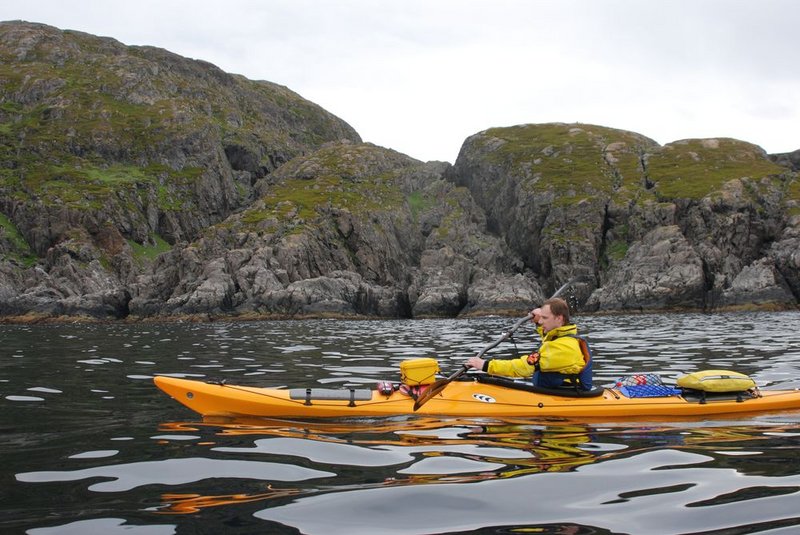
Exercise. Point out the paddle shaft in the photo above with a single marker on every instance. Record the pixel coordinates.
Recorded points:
(440, 384)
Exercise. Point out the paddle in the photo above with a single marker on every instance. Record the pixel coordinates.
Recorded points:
(441, 384)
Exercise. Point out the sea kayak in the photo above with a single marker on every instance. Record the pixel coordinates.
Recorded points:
(471, 397)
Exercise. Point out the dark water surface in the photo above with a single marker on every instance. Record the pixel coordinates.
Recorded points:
(89, 445)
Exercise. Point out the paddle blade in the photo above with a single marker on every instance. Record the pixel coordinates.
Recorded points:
(434, 389)
(438, 386)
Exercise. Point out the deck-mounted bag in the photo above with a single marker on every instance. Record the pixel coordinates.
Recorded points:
(716, 381)
(416, 372)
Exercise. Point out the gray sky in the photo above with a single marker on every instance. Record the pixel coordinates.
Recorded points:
(420, 76)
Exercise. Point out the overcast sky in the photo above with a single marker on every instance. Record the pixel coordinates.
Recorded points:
(420, 76)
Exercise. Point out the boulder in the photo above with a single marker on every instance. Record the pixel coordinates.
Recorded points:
(758, 283)
(660, 272)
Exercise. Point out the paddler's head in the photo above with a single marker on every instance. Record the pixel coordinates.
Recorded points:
(554, 313)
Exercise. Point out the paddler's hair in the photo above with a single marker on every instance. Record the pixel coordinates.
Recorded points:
(559, 307)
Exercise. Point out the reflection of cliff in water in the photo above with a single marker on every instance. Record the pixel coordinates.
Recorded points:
(414, 451)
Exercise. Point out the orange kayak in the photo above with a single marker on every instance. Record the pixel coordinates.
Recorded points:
(469, 398)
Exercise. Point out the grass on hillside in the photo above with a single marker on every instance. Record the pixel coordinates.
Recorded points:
(149, 252)
(297, 200)
(23, 253)
(574, 161)
(694, 168)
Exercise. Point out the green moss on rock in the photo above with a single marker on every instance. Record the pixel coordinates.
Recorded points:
(573, 161)
(21, 251)
(694, 168)
(361, 179)
(149, 251)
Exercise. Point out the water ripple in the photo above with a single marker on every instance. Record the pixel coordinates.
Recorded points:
(619, 494)
(128, 476)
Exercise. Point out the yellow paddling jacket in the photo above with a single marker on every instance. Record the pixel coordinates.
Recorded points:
(560, 352)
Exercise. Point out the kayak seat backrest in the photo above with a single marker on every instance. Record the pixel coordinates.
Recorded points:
(582, 379)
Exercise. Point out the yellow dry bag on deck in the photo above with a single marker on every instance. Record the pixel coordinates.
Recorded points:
(416, 372)
(716, 381)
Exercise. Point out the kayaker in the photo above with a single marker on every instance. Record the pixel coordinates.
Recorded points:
(560, 359)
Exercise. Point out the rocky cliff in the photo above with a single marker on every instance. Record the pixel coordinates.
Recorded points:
(352, 229)
(787, 159)
(702, 224)
(137, 183)
(111, 154)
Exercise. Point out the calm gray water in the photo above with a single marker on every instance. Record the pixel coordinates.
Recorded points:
(89, 445)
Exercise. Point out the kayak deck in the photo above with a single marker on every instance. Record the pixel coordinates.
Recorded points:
(459, 398)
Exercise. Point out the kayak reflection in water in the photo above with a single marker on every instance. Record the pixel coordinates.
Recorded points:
(562, 358)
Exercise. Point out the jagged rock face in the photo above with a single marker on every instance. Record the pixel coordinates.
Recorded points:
(791, 160)
(131, 148)
(547, 188)
(661, 271)
(785, 252)
(692, 224)
(351, 229)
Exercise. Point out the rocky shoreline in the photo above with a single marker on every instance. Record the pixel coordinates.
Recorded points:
(43, 319)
